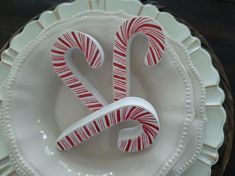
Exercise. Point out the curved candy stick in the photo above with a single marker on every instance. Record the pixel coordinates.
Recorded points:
(122, 41)
(130, 139)
(67, 71)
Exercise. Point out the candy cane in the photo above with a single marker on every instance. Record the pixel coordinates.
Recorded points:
(67, 71)
(122, 41)
(130, 139)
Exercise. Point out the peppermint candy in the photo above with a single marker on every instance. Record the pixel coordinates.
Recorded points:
(122, 42)
(127, 109)
(61, 57)
(124, 108)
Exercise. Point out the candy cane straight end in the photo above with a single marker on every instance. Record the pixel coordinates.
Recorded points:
(129, 139)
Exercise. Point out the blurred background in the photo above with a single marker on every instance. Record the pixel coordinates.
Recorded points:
(214, 19)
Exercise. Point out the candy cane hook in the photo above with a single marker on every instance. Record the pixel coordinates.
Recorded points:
(129, 139)
(122, 41)
(67, 71)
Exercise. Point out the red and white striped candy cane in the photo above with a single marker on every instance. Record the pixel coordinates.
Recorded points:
(122, 41)
(130, 139)
(67, 71)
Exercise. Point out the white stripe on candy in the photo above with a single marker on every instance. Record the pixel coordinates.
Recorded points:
(122, 41)
(63, 65)
(130, 139)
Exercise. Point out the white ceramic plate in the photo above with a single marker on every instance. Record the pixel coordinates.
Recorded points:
(39, 101)
(213, 137)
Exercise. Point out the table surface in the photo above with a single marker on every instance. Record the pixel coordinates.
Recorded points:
(214, 19)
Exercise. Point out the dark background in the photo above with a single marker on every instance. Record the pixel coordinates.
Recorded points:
(214, 19)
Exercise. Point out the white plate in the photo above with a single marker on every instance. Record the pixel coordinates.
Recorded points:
(38, 100)
(214, 136)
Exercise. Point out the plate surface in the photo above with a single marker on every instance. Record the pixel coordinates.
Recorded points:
(201, 59)
(40, 101)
